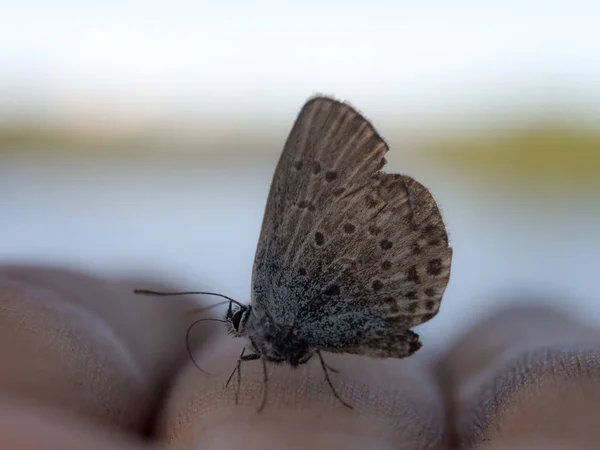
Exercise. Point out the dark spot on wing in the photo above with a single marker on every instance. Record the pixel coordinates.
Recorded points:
(434, 235)
(316, 168)
(411, 295)
(389, 182)
(411, 275)
(371, 201)
(376, 285)
(349, 228)
(334, 289)
(412, 307)
(429, 230)
(434, 267)
(305, 204)
(385, 244)
(386, 265)
(429, 305)
(374, 230)
(331, 175)
(430, 292)
(319, 238)
(392, 304)
(298, 165)
(301, 271)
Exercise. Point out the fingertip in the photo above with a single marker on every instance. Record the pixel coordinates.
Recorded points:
(524, 372)
(28, 427)
(391, 402)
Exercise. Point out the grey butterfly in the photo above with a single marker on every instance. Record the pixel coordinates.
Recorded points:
(349, 257)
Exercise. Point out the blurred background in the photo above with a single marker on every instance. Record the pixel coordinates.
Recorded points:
(139, 139)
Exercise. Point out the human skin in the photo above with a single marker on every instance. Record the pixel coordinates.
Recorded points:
(87, 364)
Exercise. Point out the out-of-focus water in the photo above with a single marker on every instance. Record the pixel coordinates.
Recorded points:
(195, 223)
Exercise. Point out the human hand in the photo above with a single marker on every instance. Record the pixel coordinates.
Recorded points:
(86, 363)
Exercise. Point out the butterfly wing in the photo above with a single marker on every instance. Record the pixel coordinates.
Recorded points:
(348, 255)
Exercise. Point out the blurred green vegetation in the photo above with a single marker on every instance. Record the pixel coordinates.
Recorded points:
(36, 141)
(543, 155)
(30, 137)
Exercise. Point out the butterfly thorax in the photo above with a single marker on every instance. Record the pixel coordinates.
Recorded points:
(275, 342)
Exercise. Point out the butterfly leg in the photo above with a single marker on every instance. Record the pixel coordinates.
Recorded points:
(243, 357)
(325, 370)
(263, 399)
(331, 369)
(238, 369)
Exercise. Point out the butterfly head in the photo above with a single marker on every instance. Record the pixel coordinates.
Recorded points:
(237, 319)
(275, 342)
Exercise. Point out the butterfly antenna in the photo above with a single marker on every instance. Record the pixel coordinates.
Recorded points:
(193, 311)
(164, 294)
(187, 342)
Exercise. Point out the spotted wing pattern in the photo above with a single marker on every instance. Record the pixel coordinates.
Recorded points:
(349, 255)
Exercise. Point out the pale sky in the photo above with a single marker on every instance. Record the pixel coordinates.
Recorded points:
(139, 61)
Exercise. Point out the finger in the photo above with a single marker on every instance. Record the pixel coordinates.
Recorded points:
(526, 374)
(396, 404)
(29, 428)
(86, 345)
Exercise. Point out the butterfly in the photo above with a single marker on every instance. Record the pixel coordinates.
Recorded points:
(349, 257)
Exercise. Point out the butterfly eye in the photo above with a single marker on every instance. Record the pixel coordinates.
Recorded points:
(236, 319)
